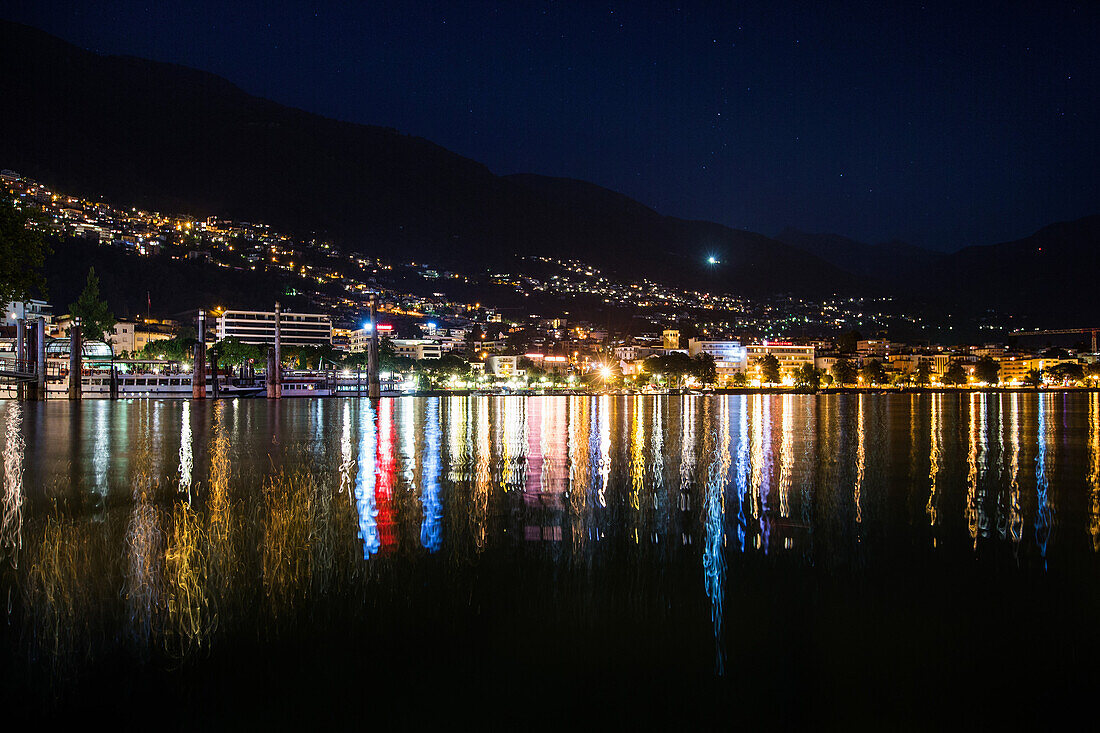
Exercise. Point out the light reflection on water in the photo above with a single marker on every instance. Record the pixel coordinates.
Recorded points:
(265, 510)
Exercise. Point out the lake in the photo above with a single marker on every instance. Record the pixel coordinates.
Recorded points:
(824, 561)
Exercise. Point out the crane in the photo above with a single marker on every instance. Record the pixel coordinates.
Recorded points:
(1060, 331)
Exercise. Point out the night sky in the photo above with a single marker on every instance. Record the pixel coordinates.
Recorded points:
(939, 125)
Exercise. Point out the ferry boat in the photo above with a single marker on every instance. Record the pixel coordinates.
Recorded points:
(164, 385)
(97, 385)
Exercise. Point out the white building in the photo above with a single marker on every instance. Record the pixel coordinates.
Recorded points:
(730, 357)
(360, 337)
(417, 348)
(258, 327)
(29, 310)
(132, 336)
(502, 366)
(730, 352)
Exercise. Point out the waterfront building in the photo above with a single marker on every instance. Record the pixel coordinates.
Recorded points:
(791, 357)
(501, 365)
(360, 337)
(132, 336)
(670, 339)
(1014, 369)
(909, 363)
(730, 357)
(258, 327)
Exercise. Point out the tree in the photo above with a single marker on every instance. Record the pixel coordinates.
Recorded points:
(739, 379)
(22, 253)
(233, 352)
(179, 348)
(873, 372)
(768, 366)
(924, 373)
(955, 373)
(1067, 372)
(672, 367)
(844, 372)
(988, 370)
(706, 371)
(807, 377)
(96, 319)
(1033, 378)
(1092, 371)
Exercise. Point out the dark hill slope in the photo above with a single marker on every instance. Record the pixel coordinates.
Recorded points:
(1050, 275)
(163, 137)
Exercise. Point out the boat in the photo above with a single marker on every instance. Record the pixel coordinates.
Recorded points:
(98, 385)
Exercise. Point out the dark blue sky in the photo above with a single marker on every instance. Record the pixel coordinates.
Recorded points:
(941, 124)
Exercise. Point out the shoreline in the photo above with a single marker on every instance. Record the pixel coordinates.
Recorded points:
(882, 391)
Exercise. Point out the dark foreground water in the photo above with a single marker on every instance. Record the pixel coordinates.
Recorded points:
(827, 562)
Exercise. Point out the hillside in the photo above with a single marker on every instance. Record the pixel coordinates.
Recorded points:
(1048, 275)
(168, 138)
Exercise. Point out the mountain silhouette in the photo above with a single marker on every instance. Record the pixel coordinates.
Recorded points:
(168, 138)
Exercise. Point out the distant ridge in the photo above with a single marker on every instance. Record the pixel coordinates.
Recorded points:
(890, 262)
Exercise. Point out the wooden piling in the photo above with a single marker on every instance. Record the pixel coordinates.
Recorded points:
(374, 386)
(40, 349)
(76, 363)
(21, 359)
(198, 372)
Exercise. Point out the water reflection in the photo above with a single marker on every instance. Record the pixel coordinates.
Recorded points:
(266, 511)
(1094, 469)
(11, 526)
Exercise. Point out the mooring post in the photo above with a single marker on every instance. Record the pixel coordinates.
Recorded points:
(76, 366)
(40, 348)
(374, 387)
(214, 372)
(278, 367)
(21, 360)
(269, 382)
(198, 371)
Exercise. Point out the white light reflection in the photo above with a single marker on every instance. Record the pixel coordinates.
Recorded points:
(714, 560)
(365, 480)
(431, 526)
(186, 455)
(1045, 512)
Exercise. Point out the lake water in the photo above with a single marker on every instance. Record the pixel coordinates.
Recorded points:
(824, 561)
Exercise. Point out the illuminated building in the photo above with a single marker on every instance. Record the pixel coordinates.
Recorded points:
(790, 356)
(360, 337)
(132, 336)
(258, 327)
(872, 348)
(417, 348)
(500, 365)
(730, 357)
